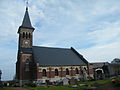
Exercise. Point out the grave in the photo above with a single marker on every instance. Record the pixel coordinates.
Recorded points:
(65, 81)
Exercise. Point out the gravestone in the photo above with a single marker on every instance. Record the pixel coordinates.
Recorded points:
(65, 81)
(73, 81)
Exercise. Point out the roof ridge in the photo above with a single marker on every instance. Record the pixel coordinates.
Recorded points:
(51, 47)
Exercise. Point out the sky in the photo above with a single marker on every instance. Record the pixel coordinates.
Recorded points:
(92, 27)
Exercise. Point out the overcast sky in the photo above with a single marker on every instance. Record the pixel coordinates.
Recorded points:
(92, 27)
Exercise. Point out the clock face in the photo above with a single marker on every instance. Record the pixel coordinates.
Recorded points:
(26, 42)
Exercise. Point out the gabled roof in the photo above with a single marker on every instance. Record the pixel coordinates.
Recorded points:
(26, 20)
(47, 56)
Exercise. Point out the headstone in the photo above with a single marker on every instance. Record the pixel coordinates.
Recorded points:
(74, 86)
(65, 81)
(73, 81)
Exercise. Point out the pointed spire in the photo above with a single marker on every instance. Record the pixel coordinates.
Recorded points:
(26, 20)
(26, 23)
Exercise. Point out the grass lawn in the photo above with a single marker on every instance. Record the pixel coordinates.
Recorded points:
(55, 88)
(96, 82)
(6, 89)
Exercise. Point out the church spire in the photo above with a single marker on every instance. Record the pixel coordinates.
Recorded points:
(26, 20)
(26, 23)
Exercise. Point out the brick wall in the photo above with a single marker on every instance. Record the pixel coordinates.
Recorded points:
(22, 74)
(61, 71)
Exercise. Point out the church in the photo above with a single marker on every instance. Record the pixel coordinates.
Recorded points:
(37, 64)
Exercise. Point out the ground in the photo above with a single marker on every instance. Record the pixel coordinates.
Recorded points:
(14, 88)
(108, 86)
(100, 85)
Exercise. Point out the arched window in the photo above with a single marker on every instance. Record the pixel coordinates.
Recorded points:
(29, 35)
(44, 74)
(23, 34)
(56, 72)
(67, 71)
(81, 71)
(26, 35)
(27, 65)
(76, 70)
(85, 69)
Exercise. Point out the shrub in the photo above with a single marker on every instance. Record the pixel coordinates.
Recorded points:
(114, 80)
(33, 85)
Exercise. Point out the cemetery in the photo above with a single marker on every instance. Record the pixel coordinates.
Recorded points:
(112, 83)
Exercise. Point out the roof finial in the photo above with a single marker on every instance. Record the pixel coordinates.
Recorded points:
(26, 5)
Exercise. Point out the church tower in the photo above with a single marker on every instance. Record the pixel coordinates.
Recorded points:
(25, 32)
(25, 57)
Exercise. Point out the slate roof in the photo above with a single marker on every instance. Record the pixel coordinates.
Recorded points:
(46, 56)
(26, 50)
(26, 20)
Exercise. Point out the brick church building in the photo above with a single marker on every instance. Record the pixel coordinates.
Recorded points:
(36, 63)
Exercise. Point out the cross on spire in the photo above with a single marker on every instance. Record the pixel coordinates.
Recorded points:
(27, 4)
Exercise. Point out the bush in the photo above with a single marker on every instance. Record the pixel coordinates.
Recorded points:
(33, 85)
(90, 79)
(30, 85)
(117, 84)
(114, 80)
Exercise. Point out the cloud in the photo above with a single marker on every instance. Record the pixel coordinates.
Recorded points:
(109, 32)
(10, 18)
(7, 62)
(106, 7)
(101, 53)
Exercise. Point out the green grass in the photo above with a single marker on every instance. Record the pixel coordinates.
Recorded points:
(6, 89)
(54, 88)
(96, 82)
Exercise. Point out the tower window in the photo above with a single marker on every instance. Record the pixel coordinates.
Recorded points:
(44, 74)
(67, 71)
(85, 69)
(76, 70)
(81, 71)
(27, 65)
(26, 35)
(23, 34)
(56, 72)
(29, 35)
